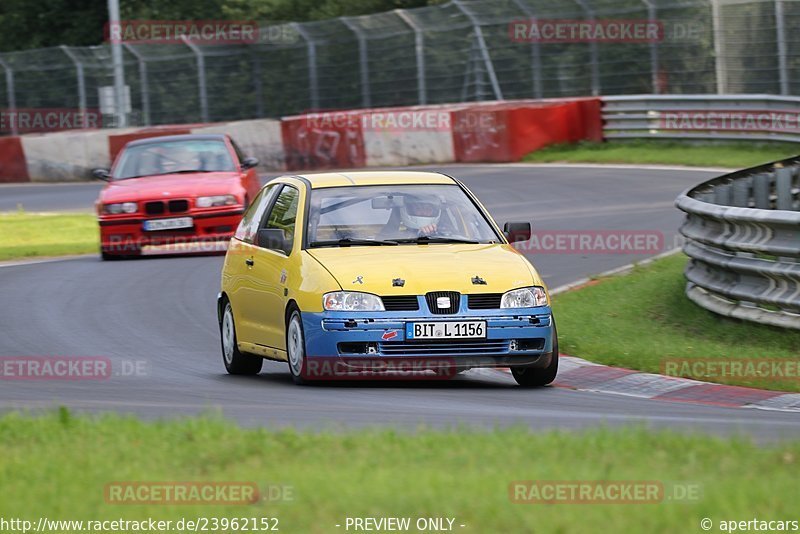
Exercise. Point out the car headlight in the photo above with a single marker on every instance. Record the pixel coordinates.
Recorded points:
(351, 301)
(525, 297)
(124, 207)
(217, 200)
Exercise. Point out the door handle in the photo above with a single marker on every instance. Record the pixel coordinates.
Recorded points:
(249, 262)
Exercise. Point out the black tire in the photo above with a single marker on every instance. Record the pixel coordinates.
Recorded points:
(532, 377)
(105, 256)
(236, 363)
(296, 339)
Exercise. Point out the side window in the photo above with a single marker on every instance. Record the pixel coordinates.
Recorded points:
(239, 154)
(284, 213)
(254, 214)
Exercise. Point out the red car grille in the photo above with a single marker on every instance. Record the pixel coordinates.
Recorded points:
(159, 207)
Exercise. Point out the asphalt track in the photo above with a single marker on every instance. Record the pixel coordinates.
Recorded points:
(160, 312)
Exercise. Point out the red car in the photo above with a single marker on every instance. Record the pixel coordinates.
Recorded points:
(173, 194)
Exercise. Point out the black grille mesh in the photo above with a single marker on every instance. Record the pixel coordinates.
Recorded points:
(485, 301)
(401, 303)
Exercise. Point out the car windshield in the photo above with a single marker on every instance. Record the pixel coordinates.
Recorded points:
(168, 157)
(395, 214)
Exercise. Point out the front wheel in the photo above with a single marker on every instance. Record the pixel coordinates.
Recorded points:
(296, 347)
(236, 363)
(535, 377)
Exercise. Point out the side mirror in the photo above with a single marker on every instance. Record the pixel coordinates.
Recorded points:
(249, 163)
(101, 174)
(273, 239)
(517, 231)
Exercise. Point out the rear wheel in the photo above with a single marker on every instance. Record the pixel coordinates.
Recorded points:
(236, 363)
(537, 377)
(296, 347)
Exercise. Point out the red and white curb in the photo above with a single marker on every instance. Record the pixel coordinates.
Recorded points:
(579, 374)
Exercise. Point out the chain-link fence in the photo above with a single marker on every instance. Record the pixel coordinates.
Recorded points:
(464, 50)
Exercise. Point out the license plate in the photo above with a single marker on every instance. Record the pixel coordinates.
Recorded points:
(446, 330)
(168, 224)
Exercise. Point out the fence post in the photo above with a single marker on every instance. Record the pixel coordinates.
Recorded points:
(419, 49)
(652, 13)
(81, 79)
(536, 55)
(312, 64)
(366, 101)
(719, 60)
(144, 87)
(498, 94)
(780, 37)
(12, 98)
(201, 78)
(594, 61)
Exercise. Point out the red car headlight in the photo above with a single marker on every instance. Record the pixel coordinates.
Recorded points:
(217, 200)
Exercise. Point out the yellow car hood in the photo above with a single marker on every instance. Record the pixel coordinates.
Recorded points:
(435, 267)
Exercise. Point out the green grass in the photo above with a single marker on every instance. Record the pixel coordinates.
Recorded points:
(643, 318)
(733, 154)
(24, 235)
(58, 466)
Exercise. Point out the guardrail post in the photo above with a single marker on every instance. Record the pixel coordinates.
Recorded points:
(783, 188)
(722, 195)
(484, 50)
(761, 183)
(741, 192)
(780, 38)
(366, 100)
(12, 98)
(536, 53)
(81, 79)
(311, 50)
(144, 87)
(202, 88)
(419, 50)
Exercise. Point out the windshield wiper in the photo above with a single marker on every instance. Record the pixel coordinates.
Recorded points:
(424, 239)
(347, 241)
(164, 174)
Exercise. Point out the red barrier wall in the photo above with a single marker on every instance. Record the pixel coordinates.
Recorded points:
(329, 142)
(13, 167)
(502, 133)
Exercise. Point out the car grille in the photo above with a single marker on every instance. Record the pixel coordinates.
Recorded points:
(154, 208)
(432, 297)
(178, 206)
(401, 303)
(158, 207)
(484, 301)
(433, 348)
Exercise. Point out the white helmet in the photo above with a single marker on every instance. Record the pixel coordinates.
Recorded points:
(417, 212)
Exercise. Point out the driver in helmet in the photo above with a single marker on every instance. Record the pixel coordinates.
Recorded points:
(416, 216)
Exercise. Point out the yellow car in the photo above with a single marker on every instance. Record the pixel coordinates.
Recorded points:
(392, 274)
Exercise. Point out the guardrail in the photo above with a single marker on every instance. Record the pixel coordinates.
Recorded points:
(711, 117)
(742, 235)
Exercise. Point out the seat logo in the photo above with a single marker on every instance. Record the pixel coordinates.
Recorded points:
(359, 280)
(442, 302)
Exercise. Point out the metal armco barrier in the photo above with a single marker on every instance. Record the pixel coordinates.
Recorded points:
(720, 117)
(742, 235)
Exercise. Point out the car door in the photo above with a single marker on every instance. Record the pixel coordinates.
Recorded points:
(238, 273)
(270, 269)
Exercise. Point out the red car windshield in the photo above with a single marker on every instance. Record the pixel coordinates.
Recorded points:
(169, 157)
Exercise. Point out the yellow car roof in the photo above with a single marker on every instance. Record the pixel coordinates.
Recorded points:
(343, 179)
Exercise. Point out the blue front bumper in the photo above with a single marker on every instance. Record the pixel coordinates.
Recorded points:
(513, 337)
